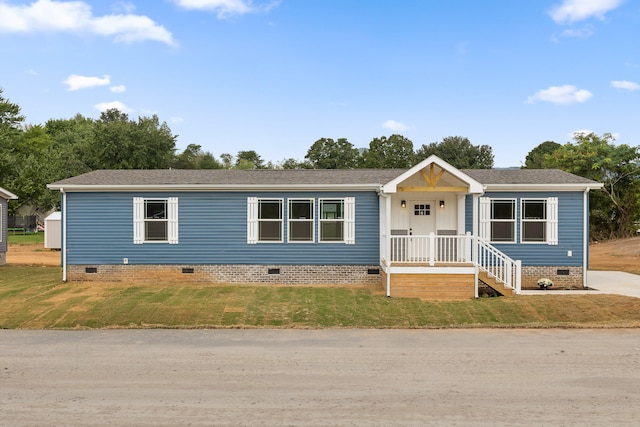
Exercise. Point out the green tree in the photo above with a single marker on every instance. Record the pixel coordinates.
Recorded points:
(227, 160)
(459, 152)
(393, 152)
(189, 158)
(120, 143)
(326, 153)
(536, 157)
(208, 161)
(292, 163)
(10, 133)
(248, 160)
(613, 210)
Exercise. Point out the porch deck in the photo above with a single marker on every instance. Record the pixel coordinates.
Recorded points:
(446, 267)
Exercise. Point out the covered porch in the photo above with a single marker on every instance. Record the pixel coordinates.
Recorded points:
(429, 244)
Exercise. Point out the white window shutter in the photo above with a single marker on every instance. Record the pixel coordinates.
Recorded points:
(138, 220)
(485, 218)
(350, 220)
(552, 220)
(252, 220)
(172, 216)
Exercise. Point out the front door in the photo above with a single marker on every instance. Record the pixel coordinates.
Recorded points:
(422, 219)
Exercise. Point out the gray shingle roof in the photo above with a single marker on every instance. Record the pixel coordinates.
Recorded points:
(311, 177)
(525, 176)
(233, 177)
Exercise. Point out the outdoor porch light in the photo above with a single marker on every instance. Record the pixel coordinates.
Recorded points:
(403, 204)
(442, 203)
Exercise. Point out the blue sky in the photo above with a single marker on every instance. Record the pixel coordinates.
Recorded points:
(275, 76)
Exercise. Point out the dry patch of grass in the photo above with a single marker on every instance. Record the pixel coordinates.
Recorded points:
(617, 255)
(36, 298)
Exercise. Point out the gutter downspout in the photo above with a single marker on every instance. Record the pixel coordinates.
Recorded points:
(387, 240)
(64, 235)
(585, 232)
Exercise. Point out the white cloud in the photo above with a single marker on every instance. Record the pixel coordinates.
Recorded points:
(176, 120)
(118, 89)
(581, 33)
(566, 94)
(226, 8)
(624, 84)
(104, 106)
(394, 125)
(32, 72)
(570, 11)
(123, 6)
(76, 82)
(77, 17)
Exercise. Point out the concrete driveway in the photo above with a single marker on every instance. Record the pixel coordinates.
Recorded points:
(603, 282)
(614, 282)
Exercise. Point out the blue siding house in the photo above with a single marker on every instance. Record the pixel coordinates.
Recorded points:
(5, 195)
(432, 231)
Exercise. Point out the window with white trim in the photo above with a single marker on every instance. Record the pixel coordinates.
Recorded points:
(270, 220)
(335, 220)
(331, 220)
(503, 220)
(538, 221)
(1, 219)
(301, 220)
(155, 220)
(533, 226)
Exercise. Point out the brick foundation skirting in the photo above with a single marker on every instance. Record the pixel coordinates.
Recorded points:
(572, 280)
(248, 274)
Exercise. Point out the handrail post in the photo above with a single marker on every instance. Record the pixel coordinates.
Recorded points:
(518, 286)
(432, 249)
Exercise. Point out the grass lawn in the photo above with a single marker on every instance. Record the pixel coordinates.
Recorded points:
(36, 298)
(25, 239)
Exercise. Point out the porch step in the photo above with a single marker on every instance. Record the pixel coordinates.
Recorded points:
(490, 281)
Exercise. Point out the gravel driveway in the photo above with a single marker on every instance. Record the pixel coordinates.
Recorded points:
(320, 377)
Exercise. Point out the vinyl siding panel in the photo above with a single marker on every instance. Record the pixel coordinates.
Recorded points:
(212, 230)
(570, 230)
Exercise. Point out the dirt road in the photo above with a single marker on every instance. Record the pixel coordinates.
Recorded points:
(320, 377)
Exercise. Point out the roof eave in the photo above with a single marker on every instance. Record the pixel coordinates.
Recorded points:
(213, 187)
(5, 194)
(544, 187)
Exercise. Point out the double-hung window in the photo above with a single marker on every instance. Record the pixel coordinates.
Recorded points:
(155, 220)
(331, 220)
(334, 220)
(533, 221)
(337, 220)
(301, 220)
(503, 220)
(264, 220)
(539, 221)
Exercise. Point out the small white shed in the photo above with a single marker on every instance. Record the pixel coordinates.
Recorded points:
(53, 231)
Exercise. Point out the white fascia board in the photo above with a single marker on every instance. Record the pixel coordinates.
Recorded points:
(543, 187)
(219, 188)
(6, 194)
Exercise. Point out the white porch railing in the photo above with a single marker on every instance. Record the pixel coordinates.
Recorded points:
(433, 249)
